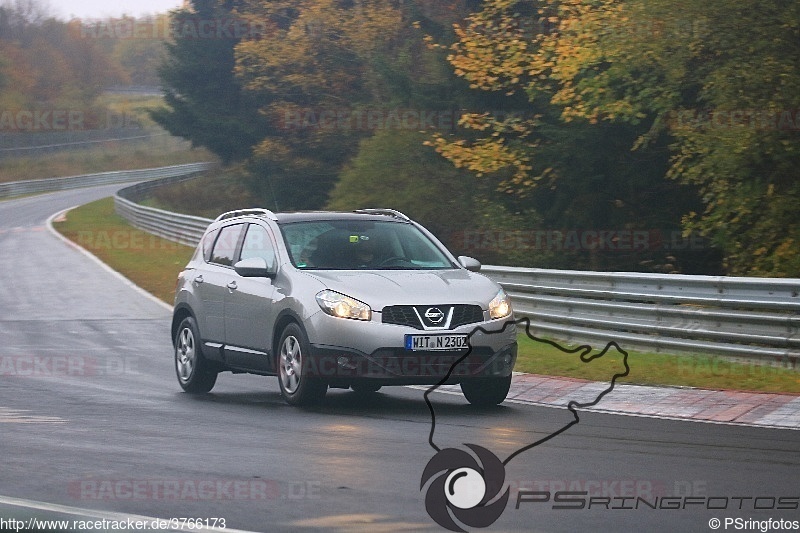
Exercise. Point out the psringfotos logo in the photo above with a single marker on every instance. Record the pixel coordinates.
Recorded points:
(465, 488)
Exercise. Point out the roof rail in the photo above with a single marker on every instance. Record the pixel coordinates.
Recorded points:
(256, 211)
(384, 211)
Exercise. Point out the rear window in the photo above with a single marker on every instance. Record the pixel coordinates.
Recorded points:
(224, 250)
(208, 243)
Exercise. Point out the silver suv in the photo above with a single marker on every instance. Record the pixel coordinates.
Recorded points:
(346, 300)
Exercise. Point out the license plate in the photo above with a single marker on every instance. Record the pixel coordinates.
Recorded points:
(436, 342)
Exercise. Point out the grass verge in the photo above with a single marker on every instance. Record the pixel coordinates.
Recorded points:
(157, 151)
(153, 264)
(80, 156)
(702, 371)
(150, 262)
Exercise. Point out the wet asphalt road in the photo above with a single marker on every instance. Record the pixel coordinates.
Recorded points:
(92, 419)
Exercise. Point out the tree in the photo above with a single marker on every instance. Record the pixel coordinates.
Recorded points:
(394, 169)
(49, 63)
(141, 58)
(580, 175)
(688, 75)
(311, 80)
(311, 74)
(206, 103)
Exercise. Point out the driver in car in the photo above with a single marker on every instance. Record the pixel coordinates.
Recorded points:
(364, 251)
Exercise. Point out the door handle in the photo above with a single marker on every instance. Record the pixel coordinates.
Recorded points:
(199, 279)
(232, 285)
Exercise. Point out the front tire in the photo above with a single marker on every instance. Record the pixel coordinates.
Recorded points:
(486, 391)
(297, 387)
(195, 375)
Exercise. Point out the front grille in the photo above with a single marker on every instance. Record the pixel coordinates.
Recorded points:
(466, 314)
(404, 315)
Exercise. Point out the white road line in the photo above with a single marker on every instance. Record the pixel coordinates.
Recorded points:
(15, 416)
(94, 258)
(419, 387)
(100, 515)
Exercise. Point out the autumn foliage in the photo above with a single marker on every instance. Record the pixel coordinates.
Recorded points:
(715, 82)
(552, 117)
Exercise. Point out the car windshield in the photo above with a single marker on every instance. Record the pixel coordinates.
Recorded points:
(361, 245)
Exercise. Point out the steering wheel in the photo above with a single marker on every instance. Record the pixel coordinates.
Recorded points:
(392, 259)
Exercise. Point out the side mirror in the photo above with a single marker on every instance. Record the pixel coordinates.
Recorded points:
(471, 264)
(254, 267)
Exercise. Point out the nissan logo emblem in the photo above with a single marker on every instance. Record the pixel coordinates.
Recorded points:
(434, 314)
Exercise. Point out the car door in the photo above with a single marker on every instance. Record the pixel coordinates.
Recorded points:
(210, 284)
(249, 309)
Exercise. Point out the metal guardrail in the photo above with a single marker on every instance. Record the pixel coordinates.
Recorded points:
(745, 317)
(185, 229)
(20, 188)
(756, 318)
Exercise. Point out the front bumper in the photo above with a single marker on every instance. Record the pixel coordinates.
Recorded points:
(370, 350)
(391, 366)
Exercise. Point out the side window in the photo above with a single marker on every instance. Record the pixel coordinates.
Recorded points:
(258, 243)
(225, 247)
(208, 243)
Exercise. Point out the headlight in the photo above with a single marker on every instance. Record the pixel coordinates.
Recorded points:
(500, 306)
(339, 305)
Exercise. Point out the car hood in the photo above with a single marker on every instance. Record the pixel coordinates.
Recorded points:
(380, 288)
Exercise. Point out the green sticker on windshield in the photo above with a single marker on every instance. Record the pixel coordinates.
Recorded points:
(353, 238)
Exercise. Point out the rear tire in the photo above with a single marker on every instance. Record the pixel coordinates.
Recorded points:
(297, 387)
(486, 391)
(194, 373)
